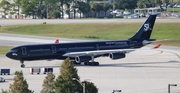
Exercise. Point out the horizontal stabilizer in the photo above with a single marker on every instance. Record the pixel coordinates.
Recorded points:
(157, 46)
(57, 41)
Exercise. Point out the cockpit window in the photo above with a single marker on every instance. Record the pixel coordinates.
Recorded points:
(13, 50)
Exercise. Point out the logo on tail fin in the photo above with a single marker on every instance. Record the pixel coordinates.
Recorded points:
(147, 27)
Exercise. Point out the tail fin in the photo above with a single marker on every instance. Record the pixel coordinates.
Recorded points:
(146, 29)
(157, 46)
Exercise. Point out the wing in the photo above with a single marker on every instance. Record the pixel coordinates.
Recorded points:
(97, 52)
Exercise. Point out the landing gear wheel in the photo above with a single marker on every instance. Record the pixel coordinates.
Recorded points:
(22, 63)
(90, 64)
(93, 63)
(77, 63)
(97, 63)
(86, 63)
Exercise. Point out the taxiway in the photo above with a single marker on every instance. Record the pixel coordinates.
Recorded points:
(143, 71)
(80, 21)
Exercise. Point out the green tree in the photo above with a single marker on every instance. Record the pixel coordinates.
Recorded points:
(94, 7)
(166, 2)
(90, 87)
(83, 8)
(64, 82)
(61, 10)
(6, 6)
(99, 8)
(126, 4)
(68, 6)
(143, 3)
(4, 91)
(29, 7)
(13, 9)
(158, 2)
(18, 4)
(106, 7)
(74, 7)
(51, 7)
(20, 84)
(48, 83)
(155, 3)
(114, 5)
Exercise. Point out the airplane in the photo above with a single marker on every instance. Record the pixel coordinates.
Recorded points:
(85, 51)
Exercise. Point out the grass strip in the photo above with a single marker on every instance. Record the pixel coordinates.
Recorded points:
(4, 49)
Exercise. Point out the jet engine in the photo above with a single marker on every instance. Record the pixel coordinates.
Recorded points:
(117, 55)
(80, 59)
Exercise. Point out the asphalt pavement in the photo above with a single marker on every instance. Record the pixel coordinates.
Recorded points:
(145, 70)
(80, 21)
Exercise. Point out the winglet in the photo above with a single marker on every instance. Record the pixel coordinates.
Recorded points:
(157, 46)
(57, 41)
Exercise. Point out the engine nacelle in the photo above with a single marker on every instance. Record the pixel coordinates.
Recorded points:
(80, 59)
(117, 55)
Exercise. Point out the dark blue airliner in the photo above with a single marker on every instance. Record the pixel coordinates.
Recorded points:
(85, 52)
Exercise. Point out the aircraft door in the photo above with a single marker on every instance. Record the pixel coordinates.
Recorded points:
(53, 49)
(97, 47)
(24, 52)
(132, 44)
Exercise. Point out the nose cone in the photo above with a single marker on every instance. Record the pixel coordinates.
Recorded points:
(8, 54)
(12, 55)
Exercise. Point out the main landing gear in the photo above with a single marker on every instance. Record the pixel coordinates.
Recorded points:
(88, 63)
(22, 63)
(92, 63)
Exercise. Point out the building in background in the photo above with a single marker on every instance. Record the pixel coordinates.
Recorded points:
(11, 13)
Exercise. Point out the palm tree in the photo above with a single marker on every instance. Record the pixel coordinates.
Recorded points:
(68, 4)
(99, 8)
(62, 2)
(18, 4)
(6, 6)
(83, 8)
(106, 6)
(94, 8)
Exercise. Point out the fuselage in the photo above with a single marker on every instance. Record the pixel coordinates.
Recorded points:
(55, 51)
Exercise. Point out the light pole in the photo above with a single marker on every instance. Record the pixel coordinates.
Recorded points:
(170, 85)
(173, 10)
(82, 84)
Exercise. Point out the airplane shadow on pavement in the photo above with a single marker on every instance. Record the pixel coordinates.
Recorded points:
(139, 65)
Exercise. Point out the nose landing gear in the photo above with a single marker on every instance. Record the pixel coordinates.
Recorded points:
(22, 63)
